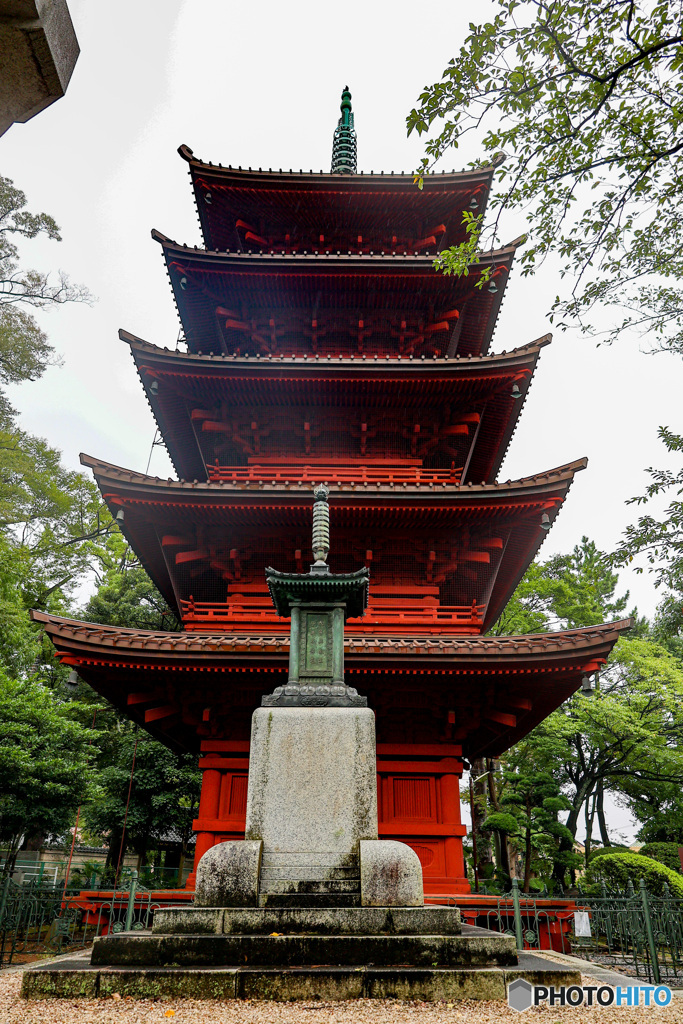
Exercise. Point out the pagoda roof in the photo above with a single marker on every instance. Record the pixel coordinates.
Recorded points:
(185, 377)
(367, 204)
(153, 506)
(313, 285)
(164, 681)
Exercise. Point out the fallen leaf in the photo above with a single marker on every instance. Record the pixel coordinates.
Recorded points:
(170, 1013)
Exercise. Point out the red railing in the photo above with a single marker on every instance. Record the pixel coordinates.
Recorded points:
(257, 612)
(309, 474)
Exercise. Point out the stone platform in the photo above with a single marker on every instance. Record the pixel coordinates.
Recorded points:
(430, 920)
(475, 947)
(78, 979)
(304, 937)
(289, 953)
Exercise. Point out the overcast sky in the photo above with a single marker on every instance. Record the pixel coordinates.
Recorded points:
(259, 84)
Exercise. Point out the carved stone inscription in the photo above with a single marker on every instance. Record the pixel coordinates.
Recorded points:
(317, 637)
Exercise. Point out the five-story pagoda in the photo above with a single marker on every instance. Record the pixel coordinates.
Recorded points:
(322, 347)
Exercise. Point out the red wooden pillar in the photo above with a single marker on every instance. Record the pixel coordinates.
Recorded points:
(450, 815)
(222, 803)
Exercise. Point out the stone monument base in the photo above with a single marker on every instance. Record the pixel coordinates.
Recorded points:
(364, 980)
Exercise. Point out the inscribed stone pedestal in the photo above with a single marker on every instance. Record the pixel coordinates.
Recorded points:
(312, 779)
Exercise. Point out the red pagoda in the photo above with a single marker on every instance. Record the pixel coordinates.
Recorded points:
(322, 346)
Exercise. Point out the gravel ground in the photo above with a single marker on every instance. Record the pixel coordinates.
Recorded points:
(14, 1010)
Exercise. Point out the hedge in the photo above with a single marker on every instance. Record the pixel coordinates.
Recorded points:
(617, 868)
(602, 850)
(665, 853)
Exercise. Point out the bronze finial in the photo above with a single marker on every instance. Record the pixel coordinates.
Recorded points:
(344, 142)
(321, 525)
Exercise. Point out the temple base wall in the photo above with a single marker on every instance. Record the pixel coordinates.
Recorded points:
(418, 801)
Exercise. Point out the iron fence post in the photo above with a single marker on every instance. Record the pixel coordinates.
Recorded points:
(518, 914)
(3, 899)
(131, 900)
(3, 920)
(652, 946)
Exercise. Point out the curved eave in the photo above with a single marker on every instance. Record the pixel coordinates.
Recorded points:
(249, 380)
(250, 177)
(280, 195)
(296, 282)
(541, 670)
(148, 489)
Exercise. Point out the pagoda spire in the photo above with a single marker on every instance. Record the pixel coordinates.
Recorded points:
(344, 142)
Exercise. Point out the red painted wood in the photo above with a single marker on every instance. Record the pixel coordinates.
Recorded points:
(417, 798)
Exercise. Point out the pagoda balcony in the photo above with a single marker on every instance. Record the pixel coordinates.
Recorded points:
(388, 609)
(315, 472)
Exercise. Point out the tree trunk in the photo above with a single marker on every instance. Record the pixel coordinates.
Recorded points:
(590, 820)
(484, 846)
(113, 852)
(604, 834)
(11, 856)
(583, 793)
(502, 846)
(35, 841)
(527, 857)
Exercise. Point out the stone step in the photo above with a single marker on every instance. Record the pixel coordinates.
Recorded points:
(307, 872)
(307, 885)
(436, 920)
(305, 950)
(419, 984)
(317, 858)
(331, 900)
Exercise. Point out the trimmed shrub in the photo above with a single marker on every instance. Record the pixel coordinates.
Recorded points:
(617, 868)
(602, 850)
(665, 853)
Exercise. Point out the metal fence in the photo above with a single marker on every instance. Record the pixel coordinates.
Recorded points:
(38, 919)
(632, 932)
(93, 875)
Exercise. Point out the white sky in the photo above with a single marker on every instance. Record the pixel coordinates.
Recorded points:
(259, 84)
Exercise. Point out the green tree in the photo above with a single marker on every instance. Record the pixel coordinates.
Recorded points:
(658, 540)
(53, 522)
(49, 516)
(665, 853)
(623, 738)
(530, 803)
(149, 789)
(626, 734)
(618, 869)
(45, 763)
(125, 595)
(584, 99)
(24, 349)
(565, 592)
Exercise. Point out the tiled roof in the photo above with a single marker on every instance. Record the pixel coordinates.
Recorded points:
(219, 644)
(335, 180)
(561, 474)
